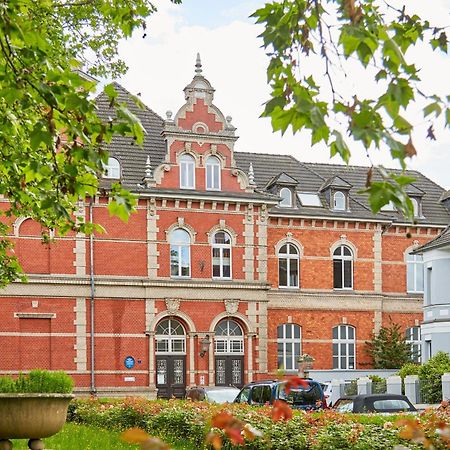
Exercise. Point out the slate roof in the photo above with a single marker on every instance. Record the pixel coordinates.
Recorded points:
(311, 177)
(442, 240)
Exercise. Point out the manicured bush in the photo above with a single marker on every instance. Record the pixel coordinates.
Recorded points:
(38, 381)
(187, 423)
(430, 376)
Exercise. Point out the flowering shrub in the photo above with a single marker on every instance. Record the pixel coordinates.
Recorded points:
(203, 425)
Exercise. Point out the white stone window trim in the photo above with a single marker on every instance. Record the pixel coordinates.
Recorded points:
(289, 342)
(347, 343)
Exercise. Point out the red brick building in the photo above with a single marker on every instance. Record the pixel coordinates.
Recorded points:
(233, 265)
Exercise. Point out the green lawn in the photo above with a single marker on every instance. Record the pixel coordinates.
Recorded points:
(82, 437)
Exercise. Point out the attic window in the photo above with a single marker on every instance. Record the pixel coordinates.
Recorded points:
(416, 207)
(286, 197)
(309, 199)
(339, 201)
(112, 169)
(388, 207)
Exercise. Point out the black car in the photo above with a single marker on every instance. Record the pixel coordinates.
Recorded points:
(212, 394)
(378, 403)
(308, 396)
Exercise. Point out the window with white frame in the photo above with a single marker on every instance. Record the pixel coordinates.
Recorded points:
(170, 337)
(414, 273)
(180, 253)
(286, 197)
(221, 255)
(416, 207)
(289, 345)
(412, 337)
(187, 172)
(288, 266)
(112, 169)
(344, 347)
(229, 338)
(343, 268)
(339, 201)
(213, 174)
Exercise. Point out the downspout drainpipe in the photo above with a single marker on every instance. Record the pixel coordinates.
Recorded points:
(91, 267)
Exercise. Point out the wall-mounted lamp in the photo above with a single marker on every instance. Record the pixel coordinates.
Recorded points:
(204, 345)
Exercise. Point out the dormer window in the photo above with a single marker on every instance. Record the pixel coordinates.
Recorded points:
(388, 207)
(339, 201)
(416, 207)
(112, 169)
(213, 174)
(286, 197)
(187, 172)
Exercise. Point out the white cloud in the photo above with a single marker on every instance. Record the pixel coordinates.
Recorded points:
(163, 64)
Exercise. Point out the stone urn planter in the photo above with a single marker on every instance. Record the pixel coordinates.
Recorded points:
(31, 416)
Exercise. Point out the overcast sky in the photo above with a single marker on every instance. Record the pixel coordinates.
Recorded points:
(162, 64)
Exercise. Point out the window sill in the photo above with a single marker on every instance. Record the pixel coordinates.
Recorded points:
(289, 287)
(343, 289)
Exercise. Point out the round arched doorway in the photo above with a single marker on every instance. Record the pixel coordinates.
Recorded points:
(229, 353)
(170, 340)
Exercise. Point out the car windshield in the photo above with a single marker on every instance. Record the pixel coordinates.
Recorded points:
(391, 405)
(222, 395)
(308, 395)
(344, 405)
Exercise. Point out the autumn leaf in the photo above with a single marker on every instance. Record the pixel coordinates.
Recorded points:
(410, 150)
(296, 382)
(134, 436)
(251, 433)
(214, 439)
(235, 435)
(154, 443)
(222, 420)
(281, 411)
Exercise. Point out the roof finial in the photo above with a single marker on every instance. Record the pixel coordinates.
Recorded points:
(148, 177)
(251, 174)
(198, 65)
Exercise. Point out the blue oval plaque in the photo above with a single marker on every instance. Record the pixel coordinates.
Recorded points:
(129, 362)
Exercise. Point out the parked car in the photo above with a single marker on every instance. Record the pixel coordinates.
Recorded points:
(266, 392)
(213, 394)
(378, 403)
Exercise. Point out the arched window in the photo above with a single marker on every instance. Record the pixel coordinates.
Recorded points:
(187, 172)
(112, 169)
(415, 204)
(180, 253)
(412, 337)
(414, 273)
(344, 347)
(289, 345)
(288, 266)
(286, 197)
(339, 201)
(221, 255)
(229, 338)
(343, 268)
(170, 337)
(213, 174)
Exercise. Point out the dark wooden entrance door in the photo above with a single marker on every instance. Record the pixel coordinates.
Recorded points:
(230, 370)
(171, 376)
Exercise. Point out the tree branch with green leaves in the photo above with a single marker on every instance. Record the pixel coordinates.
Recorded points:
(314, 46)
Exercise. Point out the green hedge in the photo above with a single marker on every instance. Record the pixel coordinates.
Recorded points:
(37, 381)
(188, 422)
